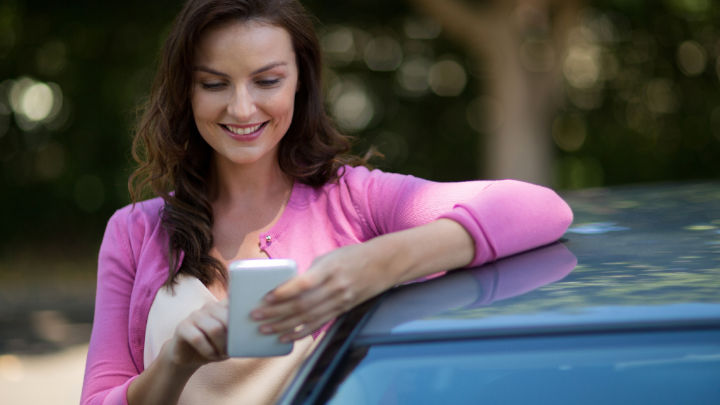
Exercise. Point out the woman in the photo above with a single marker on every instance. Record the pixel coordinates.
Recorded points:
(236, 144)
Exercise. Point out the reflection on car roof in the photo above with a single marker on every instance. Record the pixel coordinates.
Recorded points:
(635, 257)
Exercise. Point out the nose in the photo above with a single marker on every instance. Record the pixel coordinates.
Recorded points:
(242, 104)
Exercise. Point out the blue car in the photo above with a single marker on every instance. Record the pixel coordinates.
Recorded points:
(625, 309)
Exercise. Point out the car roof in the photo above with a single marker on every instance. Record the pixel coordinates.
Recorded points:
(635, 257)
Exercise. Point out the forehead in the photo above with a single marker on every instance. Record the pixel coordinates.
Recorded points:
(245, 42)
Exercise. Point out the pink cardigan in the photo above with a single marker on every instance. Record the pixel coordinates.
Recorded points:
(503, 217)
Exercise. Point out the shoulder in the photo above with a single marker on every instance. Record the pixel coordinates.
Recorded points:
(355, 173)
(360, 178)
(362, 185)
(134, 225)
(141, 214)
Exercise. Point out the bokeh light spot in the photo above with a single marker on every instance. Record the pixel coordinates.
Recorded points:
(17, 89)
(691, 58)
(37, 101)
(351, 105)
(413, 75)
(11, 368)
(569, 132)
(447, 78)
(338, 45)
(582, 66)
(660, 96)
(421, 28)
(34, 102)
(383, 54)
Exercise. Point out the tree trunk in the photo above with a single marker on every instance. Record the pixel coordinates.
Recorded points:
(517, 47)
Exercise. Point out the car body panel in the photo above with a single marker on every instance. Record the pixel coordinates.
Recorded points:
(633, 284)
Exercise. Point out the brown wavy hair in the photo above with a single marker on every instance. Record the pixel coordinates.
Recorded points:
(174, 161)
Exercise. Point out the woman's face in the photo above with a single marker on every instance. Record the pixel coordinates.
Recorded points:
(244, 83)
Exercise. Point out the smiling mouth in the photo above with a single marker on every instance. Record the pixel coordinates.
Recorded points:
(244, 131)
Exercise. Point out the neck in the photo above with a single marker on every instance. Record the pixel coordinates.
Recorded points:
(249, 185)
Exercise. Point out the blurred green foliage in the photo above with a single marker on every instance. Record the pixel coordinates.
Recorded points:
(653, 114)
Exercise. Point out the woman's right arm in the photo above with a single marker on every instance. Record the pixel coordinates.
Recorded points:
(111, 374)
(110, 367)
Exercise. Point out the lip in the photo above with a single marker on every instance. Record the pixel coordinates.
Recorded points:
(244, 137)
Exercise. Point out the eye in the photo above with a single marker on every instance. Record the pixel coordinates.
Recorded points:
(267, 82)
(212, 85)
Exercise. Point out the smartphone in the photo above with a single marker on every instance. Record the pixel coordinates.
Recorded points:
(250, 280)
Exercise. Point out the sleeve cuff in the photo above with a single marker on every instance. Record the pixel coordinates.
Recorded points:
(118, 395)
(484, 251)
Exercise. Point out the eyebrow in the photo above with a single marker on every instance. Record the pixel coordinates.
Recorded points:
(256, 71)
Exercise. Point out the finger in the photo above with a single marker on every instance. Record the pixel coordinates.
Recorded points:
(303, 331)
(193, 337)
(288, 308)
(214, 331)
(320, 311)
(295, 286)
(219, 311)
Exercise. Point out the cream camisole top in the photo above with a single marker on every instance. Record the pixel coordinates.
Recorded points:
(236, 380)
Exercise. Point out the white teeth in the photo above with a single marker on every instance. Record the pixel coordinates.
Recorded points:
(243, 131)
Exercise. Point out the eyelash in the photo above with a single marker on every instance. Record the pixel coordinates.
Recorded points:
(212, 86)
(268, 82)
(261, 83)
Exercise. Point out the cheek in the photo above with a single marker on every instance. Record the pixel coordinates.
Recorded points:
(196, 105)
(283, 105)
(204, 108)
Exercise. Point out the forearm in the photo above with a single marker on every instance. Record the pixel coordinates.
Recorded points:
(420, 251)
(161, 383)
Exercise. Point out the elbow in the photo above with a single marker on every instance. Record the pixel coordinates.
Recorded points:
(539, 208)
(564, 215)
(554, 212)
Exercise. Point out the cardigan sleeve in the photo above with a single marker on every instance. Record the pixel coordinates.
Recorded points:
(503, 217)
(109, 368)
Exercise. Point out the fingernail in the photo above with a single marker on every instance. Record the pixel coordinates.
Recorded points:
(265, 329)
(269, 298)
(257, 315)
(285, 339)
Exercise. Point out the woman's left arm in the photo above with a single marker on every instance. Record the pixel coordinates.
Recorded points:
(350, 275)
(425, 228)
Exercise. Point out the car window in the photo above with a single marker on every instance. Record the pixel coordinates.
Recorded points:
(657, 368)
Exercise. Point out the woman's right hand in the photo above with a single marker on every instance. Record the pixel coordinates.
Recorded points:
(200, 338)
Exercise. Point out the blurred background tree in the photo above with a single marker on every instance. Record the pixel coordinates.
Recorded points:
(568, 93)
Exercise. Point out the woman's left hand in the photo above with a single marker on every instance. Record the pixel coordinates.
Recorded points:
(334, 283)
